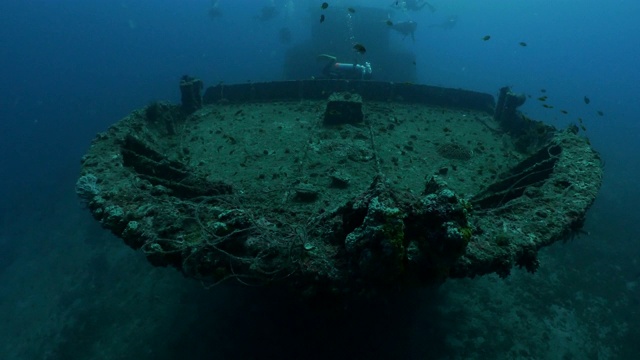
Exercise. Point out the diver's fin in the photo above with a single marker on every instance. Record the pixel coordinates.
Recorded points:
(326, 57)
(431, 7)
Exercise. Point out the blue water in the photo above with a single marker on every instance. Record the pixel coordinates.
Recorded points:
(70, 69)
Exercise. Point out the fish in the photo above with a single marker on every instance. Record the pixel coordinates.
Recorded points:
(351, 10)
(543, 90)
(359, 48)
(522, 43)
(542, 98)
(547, 106)
(389, 22)
(586, 100)
(321, 18)
(486, 37)
(324, 5)
(406, 28)
(600, 113)
(564, 112)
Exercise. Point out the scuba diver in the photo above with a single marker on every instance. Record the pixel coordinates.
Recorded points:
(413, 5)
(214, 10)
(405, 28)
(336, 70)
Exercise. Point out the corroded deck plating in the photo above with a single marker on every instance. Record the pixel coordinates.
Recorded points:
(253, 187)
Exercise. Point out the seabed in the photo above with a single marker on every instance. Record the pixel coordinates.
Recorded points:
(339, 188)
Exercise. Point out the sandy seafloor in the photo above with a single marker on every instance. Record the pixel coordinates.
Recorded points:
(89, 296)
